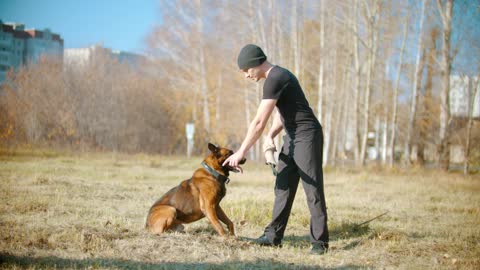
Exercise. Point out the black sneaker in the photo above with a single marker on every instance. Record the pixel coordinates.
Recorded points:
(263, 241)
(319, 248)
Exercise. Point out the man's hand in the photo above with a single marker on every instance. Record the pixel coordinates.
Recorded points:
(269, 144)
(268, 149)
(234, 160)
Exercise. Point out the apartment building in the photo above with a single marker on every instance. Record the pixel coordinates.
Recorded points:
(461, 96)
(20, 46)
(80, 57)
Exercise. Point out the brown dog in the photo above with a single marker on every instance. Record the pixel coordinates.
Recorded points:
(196, 197)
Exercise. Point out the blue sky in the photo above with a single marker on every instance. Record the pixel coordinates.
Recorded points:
(121, 25)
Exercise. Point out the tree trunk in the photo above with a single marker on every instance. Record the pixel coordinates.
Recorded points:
(337, 123)
(255, 38)
(444, 147)
(295, 39)
(384, 121)
(377, 137)
(395, 94)
(202, 68)
(341, 121)
(473, 91)
(320, 72)
(327, 127)
(373, 26)
(415, 89)
(218, 98)
(356, 86)
(384, 139)
(428, 101)
(421, 131)
(330, 104)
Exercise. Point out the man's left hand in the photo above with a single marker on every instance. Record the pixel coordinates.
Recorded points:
(234, 160)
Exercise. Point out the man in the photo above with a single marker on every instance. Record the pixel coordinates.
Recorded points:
(301, 154)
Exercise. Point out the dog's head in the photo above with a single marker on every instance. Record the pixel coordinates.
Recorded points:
(218, 156)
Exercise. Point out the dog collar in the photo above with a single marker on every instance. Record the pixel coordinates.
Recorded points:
(220, 177)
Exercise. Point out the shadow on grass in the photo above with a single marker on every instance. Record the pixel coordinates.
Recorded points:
(347, 230)
(203, 230)
(344, 231)
(7, 260)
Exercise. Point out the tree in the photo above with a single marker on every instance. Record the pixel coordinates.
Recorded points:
(415, 88)
(373, 18)
(474, 85)
(445, 12)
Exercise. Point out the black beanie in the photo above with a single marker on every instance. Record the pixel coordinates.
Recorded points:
(250, 56)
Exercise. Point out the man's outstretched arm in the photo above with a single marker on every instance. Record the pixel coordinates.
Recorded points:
(254, 131)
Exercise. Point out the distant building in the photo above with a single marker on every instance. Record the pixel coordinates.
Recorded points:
(20, 46)
(131, 59)
(461, 95)
(42, 42)
(80, 57)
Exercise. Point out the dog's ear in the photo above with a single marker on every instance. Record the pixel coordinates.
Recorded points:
(212, 148)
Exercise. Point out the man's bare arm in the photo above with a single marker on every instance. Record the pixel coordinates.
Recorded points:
(254, 131)
(277, 126)
(258, 124)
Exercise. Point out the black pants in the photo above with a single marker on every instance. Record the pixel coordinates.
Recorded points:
(300, 158)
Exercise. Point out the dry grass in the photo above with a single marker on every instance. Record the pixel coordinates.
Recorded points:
(88, 211)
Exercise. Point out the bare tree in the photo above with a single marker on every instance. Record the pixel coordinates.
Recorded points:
(372, 16)
(202, 66)
(329, 107)
(474, 85)
(356, 86)
(395, 92)
(385, 116)
(445, 12)
(296, 38)
(416, 85)
(321, 62)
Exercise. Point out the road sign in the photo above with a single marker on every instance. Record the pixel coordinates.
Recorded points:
(190, 130)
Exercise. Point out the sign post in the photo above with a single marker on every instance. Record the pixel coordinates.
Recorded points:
(190, 131)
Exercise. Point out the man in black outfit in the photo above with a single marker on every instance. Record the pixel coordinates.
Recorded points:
(301, 154)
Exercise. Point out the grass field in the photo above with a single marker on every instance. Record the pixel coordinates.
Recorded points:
(88, 211)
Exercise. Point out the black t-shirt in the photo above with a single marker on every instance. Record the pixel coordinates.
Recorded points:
(297, 116)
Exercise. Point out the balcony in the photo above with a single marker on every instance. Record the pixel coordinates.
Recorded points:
(6, 44)
(5, 58)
